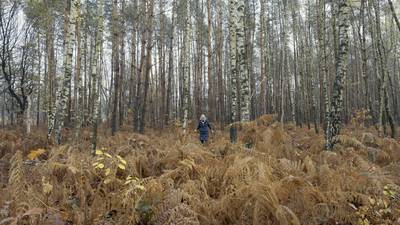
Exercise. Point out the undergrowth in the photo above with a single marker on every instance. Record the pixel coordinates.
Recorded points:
(286, 178)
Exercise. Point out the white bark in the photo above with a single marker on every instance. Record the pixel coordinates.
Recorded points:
(62, 96)
(242, 60)
(95, 70)
(186, 72)
(233, 57)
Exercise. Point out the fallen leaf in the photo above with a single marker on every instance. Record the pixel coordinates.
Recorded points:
(108, 170)
(121, 166)
(99, 152)
(121, 159)
(99, 166)
(34, 154)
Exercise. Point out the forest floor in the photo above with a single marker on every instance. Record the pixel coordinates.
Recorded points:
(167, 178)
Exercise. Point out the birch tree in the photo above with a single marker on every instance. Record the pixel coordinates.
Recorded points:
(186, 69)
(235, 114)
(116, 65)
(62, 95)
(242, 61)
(95, 71)
(211, 96)
(78, 90)
(336, 108)
(384, 111)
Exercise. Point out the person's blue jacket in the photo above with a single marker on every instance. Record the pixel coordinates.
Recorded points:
(203, 129)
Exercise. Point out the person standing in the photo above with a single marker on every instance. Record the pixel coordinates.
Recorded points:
(203, 128)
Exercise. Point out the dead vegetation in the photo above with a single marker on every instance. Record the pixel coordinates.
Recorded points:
(285, 178)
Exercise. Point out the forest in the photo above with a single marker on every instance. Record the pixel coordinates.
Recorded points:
(295, 102)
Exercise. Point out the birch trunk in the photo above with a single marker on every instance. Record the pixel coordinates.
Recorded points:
(78, 79)
(186, 69)
(170, 64)
(220, 44)
(384, 111)
(50, 75)
(335, 121)
(233, 58)
(95, 70)
(211, 97)
(62, 96)
(147, 65)
(242, 60)
(28, 115)
(116, 72)
(235, 108)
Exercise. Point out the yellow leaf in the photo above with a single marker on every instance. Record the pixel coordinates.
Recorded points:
(73, 169)
(95, 164)
(99, 152)
(108, 155)
(128, 182)
(36, 153)
(121, 166)
(99, 166)
(106, 181)
(372, 201)
(121, 159)
(47, 187)
(385, 193)
(140, 187)
(108, 170)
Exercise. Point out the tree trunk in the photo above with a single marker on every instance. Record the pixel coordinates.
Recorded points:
(116, 65)
(62, 97)
(170, 64)
(161, 62)
(242, 60)
(50, 74)
(78, 100)
(396, 19)
(147, 69)
(121, 80)
(334, 122)
(235, 114)
(384, 79)
(40, 80)
(219, 48)
(211, 96)
(96, 70)
(186, 69)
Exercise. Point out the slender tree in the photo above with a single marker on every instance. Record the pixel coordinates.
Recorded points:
(95, 71)
(334, 120)
(186, 71)
(116, 65)
(62, 94)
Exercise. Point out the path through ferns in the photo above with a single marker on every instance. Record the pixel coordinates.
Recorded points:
(164, 178)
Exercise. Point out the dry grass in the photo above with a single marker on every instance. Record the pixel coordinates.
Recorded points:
(166, 178)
